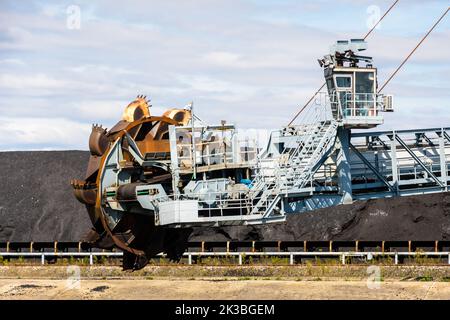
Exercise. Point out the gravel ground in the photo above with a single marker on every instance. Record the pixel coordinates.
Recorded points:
(180, 289)
(206, 282)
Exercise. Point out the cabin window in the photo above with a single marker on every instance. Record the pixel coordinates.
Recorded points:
(344, 82)
(364, 82)
(364, 93)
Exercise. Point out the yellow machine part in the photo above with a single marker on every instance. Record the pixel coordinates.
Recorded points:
(136, 110)
(180, 115)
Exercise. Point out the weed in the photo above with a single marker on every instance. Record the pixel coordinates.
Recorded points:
(309, 269)
(424, 278)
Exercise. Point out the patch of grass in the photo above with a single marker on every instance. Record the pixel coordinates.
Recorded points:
(424, 278)
(279, 260)
(309, 269)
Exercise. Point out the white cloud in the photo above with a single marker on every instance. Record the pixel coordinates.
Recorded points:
(36, 132)
(252, 63)
(222, 58)
(12, 61)
(32, 81)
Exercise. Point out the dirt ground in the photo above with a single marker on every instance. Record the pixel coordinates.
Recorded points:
(228, 283)
(182, 289)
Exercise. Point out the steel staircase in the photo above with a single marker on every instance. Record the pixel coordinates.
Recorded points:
(295, 167)
(298, 170)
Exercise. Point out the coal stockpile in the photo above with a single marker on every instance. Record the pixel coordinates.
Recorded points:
(36, 198)
(424, 217)
(37, 204)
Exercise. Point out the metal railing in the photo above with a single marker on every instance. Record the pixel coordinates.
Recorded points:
(217, 203)
(217, 152)
(347, 104)
(294, 257)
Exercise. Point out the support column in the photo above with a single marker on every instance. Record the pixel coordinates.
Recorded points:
(343, 165)
(394, 162)
(174, 159)
(442, 160)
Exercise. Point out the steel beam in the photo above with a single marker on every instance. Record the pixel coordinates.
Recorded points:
(372, 168)
(174, 160)
(382, 133)
(394, 164)
(446, 134)
(343, 165)
(442, 160)
(416, 158)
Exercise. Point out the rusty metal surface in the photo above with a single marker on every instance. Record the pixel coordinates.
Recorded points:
(136, 235)
(98, 141)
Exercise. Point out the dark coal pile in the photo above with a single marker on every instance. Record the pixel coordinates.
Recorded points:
(36, 199)
(424, 217)
(37, 203)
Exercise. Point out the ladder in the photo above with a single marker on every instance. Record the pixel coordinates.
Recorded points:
(297, 167)
(302, 161)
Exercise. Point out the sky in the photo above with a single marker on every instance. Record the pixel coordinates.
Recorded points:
(65, 65)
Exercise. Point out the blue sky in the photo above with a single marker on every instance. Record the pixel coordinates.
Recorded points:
(250, 62)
